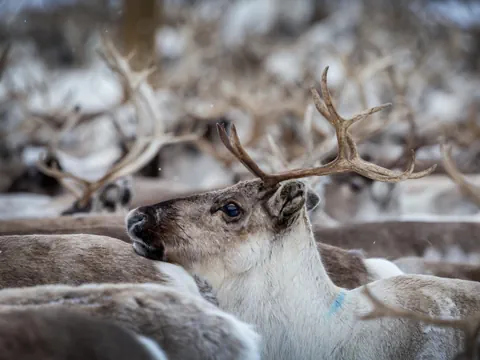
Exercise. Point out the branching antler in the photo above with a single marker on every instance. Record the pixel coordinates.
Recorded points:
(348, 158)
(61, 121)
(470, 326)
(144, 148)
(466, 187)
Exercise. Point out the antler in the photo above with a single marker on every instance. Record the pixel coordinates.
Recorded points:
(144, 148)
(470, 326)
(467, 188)
(61, 176)
(60, 121)
(348, 158)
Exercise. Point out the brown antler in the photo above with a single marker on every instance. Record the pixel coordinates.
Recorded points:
(60, 121)
(144, 148)
(348, 158)
(467, 188)
(232, 143)
(61, 176)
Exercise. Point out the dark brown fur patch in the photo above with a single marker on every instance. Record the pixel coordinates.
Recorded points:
(28, 260)
(106, 225)
(454, 271)
(393, 239)
(345, 268)
(59, 334)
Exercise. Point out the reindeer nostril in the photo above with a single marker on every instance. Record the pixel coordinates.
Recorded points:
(136, 219)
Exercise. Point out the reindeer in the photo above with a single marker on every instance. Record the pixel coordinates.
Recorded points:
(347, 268)
(452, 240)
(55, 334)
(97, 243)
(254, 243)
(183, 324)
(438, 195)
(80, 258)
(113, 188)
(106, 225)
(58, 122)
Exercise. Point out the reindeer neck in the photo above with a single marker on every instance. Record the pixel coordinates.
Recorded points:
(287, 296)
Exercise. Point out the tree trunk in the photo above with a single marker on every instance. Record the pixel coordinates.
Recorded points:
(140, 21)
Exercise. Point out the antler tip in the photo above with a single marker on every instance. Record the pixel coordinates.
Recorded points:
(325, 72)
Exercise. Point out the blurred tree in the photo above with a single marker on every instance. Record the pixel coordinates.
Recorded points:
(140, 20)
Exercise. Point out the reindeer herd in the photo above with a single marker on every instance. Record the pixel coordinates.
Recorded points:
(255, 268)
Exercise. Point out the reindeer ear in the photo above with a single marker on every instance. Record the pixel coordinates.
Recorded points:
(312, 200)
(287, 201)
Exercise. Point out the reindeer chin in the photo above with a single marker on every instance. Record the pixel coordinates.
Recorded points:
(158, 254)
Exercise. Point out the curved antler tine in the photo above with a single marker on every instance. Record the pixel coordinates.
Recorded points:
(237, 145)
(61, 175)
(233, 144)
(327, 98)
(222, 132)
(457, 177)
(244, 157)
(379, 173)
(319, 104)
(55, 173)
(422, 173)
(366, 113)
(348, 158)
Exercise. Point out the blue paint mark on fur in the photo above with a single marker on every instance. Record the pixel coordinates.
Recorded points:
(337, 303)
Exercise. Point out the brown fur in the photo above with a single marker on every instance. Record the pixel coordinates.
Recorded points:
(56, 334)
(185, 326)
(418, 265)
(393, 239)
(107, 225)
(30, 260)
(389, 239)
(345, 268)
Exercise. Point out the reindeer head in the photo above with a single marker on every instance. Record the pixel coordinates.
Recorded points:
(204, 226)
(113, 197)
(240, 225)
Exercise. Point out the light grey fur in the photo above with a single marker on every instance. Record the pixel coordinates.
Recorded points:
(185, 326)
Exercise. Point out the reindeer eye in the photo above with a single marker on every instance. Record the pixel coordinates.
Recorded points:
(231, 209)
